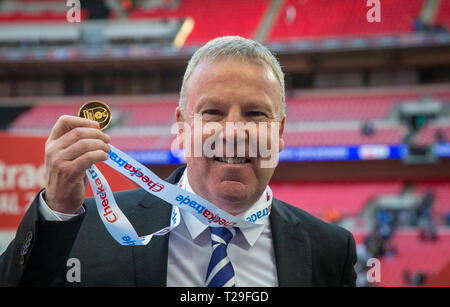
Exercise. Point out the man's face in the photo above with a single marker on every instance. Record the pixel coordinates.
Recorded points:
(231, 91)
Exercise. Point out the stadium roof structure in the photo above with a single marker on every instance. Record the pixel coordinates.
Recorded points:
(157, 42)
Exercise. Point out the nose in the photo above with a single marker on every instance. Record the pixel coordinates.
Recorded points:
(234, 124)
(234, 133)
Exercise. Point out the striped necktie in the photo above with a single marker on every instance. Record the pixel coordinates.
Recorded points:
(220, 271)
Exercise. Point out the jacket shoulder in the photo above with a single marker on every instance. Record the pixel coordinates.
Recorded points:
(332, 247)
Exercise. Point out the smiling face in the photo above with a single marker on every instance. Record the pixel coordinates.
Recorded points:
(231, 91)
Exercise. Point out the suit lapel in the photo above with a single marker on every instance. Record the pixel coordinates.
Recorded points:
(291, 243)
(292, 248)
(150, 215)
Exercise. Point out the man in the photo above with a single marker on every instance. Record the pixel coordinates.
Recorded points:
(229, 80)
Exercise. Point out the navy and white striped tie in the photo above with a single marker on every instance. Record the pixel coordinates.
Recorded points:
(220, 270)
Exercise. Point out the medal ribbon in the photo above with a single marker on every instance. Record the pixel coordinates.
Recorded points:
(120, 227)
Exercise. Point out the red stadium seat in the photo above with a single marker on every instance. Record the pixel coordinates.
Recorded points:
(326, 18)
(213, 18)
(443, 14)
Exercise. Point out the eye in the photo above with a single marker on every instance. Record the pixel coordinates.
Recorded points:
(256, 114)
(211, 112)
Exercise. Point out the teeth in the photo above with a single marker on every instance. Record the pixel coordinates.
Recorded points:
(232, 160)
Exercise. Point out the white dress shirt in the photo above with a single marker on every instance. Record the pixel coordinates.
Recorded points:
(251, 250)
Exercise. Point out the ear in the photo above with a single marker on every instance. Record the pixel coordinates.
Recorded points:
(280, 136)
(179, 115)
(180, 126)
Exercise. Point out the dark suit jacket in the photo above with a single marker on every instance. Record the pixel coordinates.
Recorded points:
(308, 251)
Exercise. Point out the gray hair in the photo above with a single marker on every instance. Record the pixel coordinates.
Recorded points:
(234, 47)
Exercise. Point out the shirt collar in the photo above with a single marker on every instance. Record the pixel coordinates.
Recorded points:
(195, 227)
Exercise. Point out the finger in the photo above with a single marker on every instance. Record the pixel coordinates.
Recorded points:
(79, 133)
(66, 123)
(83, 146)
(85, 181)
(89, 158)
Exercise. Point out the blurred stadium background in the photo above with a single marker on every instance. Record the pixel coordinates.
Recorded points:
(368, 106)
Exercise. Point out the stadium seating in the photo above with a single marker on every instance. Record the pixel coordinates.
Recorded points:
(42, 16)
(137, 142)
(315, 118)
(350, 105)
(443, 14)
(344, 107)
(213, 18)
(429, 134)
(36, 11)
(37, 1)
(161, 113)
(339, 108)
(441, 191)
(349, 198)
(296, 18)
(323, 137)
(414, 255)
(43, 116)
(312, 19)
(305, 106)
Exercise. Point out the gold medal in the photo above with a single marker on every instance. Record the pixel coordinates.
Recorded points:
(98, 111)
